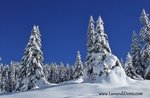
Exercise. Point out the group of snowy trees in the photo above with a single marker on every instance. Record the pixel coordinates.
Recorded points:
(8, 76)
(59, 73)
(97, 48)
(31, 73)
(137, 65)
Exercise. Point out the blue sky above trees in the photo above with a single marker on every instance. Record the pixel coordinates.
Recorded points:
(64, 24)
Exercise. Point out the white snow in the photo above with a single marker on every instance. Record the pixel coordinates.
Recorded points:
(76, 81)
(112, 71)
(86, 90)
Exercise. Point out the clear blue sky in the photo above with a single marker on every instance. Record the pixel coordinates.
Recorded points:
(64, 24)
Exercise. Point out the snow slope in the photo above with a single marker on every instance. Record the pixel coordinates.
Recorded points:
(86, 90)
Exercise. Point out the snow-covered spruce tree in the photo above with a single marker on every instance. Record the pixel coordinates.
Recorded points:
(145, 37)
(31, 73)
(5, 77)
(46, 70)
(79, 66)
(128, 65)
(135, 54)
(90, 47)
(71, 68)
(67, 73)
(11, 81)
(16, 69)
(61, 72)
(53, 74)
(129, 69)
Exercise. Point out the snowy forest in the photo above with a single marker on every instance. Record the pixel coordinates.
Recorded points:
(100, 65)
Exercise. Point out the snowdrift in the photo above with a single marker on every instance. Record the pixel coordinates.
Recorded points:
(112, 71)
(85, 90)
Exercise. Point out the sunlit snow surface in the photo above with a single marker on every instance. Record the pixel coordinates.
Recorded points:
(76, 89)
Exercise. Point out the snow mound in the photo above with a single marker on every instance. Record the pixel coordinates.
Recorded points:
(111, 71)
(116, 76)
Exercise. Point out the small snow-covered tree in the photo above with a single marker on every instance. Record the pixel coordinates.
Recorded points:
(46, 70)
(71, 68)
(129, 69)
(79, 66)
(67, 73)
(53, 76)
(11, 82)
(128, 65)
(145, 37)
(5, 77)
(61, 72)
(31, 73)
(16, 67)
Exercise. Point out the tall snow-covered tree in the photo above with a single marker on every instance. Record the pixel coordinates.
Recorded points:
(79, 67)
(90, 44)
(145, 37)
(100, 48)
(135, 54)
(31, 73)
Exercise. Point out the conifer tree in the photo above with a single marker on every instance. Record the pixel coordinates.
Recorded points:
(71, 68)
(53, 75)
(79, 66)
(129, 69)
(32, 75)
(90, 44)
(61, 72)
(67, 73)
(11, 82)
